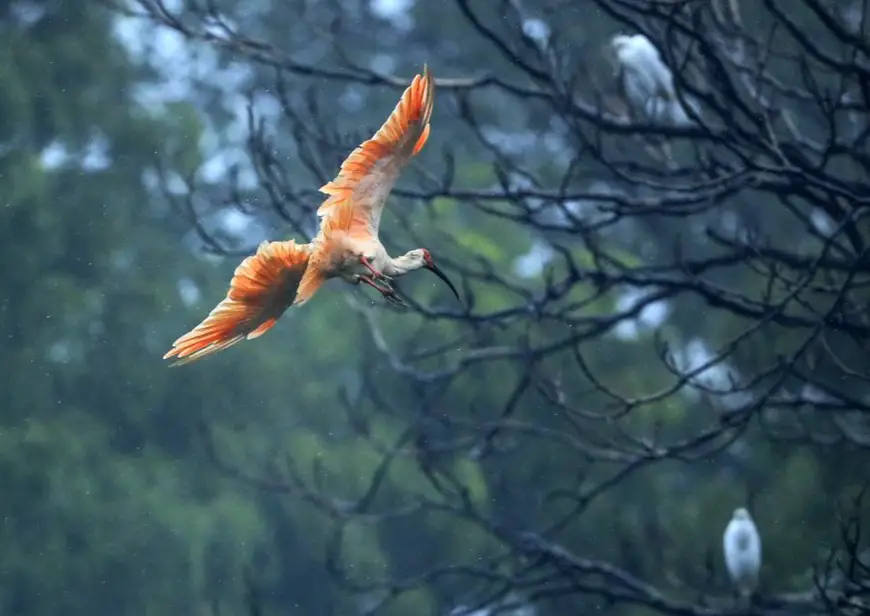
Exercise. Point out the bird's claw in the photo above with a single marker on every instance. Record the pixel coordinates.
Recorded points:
(384, 288)
(383, 279)
(390, 295)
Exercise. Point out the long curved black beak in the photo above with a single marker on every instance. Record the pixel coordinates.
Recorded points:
(435, 270)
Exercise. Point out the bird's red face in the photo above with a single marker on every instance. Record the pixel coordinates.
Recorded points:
(427, 258)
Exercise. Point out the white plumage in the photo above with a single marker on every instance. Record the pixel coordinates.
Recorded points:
(742, 546)
(648, 84)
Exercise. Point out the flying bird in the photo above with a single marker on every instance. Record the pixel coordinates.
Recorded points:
(286, 273)
(646, 81)
(742, 546)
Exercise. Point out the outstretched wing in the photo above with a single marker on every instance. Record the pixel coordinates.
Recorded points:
(263, 286)
(368, 175)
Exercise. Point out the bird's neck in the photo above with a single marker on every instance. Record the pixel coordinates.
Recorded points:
(399, 266)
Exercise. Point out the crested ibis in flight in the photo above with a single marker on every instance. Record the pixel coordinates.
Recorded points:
(285, 273)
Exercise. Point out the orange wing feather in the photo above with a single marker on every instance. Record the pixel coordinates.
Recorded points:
(263, 286)
(368, 175)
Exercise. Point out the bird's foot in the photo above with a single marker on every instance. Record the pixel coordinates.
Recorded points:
(394, 299)
(384, 289)
(383, 279)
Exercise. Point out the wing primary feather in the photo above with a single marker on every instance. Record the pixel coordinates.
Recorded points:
(370, 171)
(263, 286)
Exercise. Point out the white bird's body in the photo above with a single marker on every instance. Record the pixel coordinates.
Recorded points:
(741, 544)
(647, 81)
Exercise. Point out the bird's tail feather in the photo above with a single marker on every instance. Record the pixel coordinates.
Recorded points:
(308, 286)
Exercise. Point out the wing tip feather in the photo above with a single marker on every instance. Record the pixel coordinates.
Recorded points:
(249, 308)
(414, 110)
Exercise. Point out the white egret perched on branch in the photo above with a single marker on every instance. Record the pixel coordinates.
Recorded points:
(647, 82)
(742, 546)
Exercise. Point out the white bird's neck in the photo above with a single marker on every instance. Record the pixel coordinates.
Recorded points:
(401, 265)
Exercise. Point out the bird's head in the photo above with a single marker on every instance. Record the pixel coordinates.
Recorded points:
(620, 41)
(620, 44)
(633, 48)
(741, 513)
(420, 258)
(616, 49)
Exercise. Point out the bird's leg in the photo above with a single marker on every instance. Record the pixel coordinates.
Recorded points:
(388, 292)
(376, 275)
(394, 299)
(372, 283)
